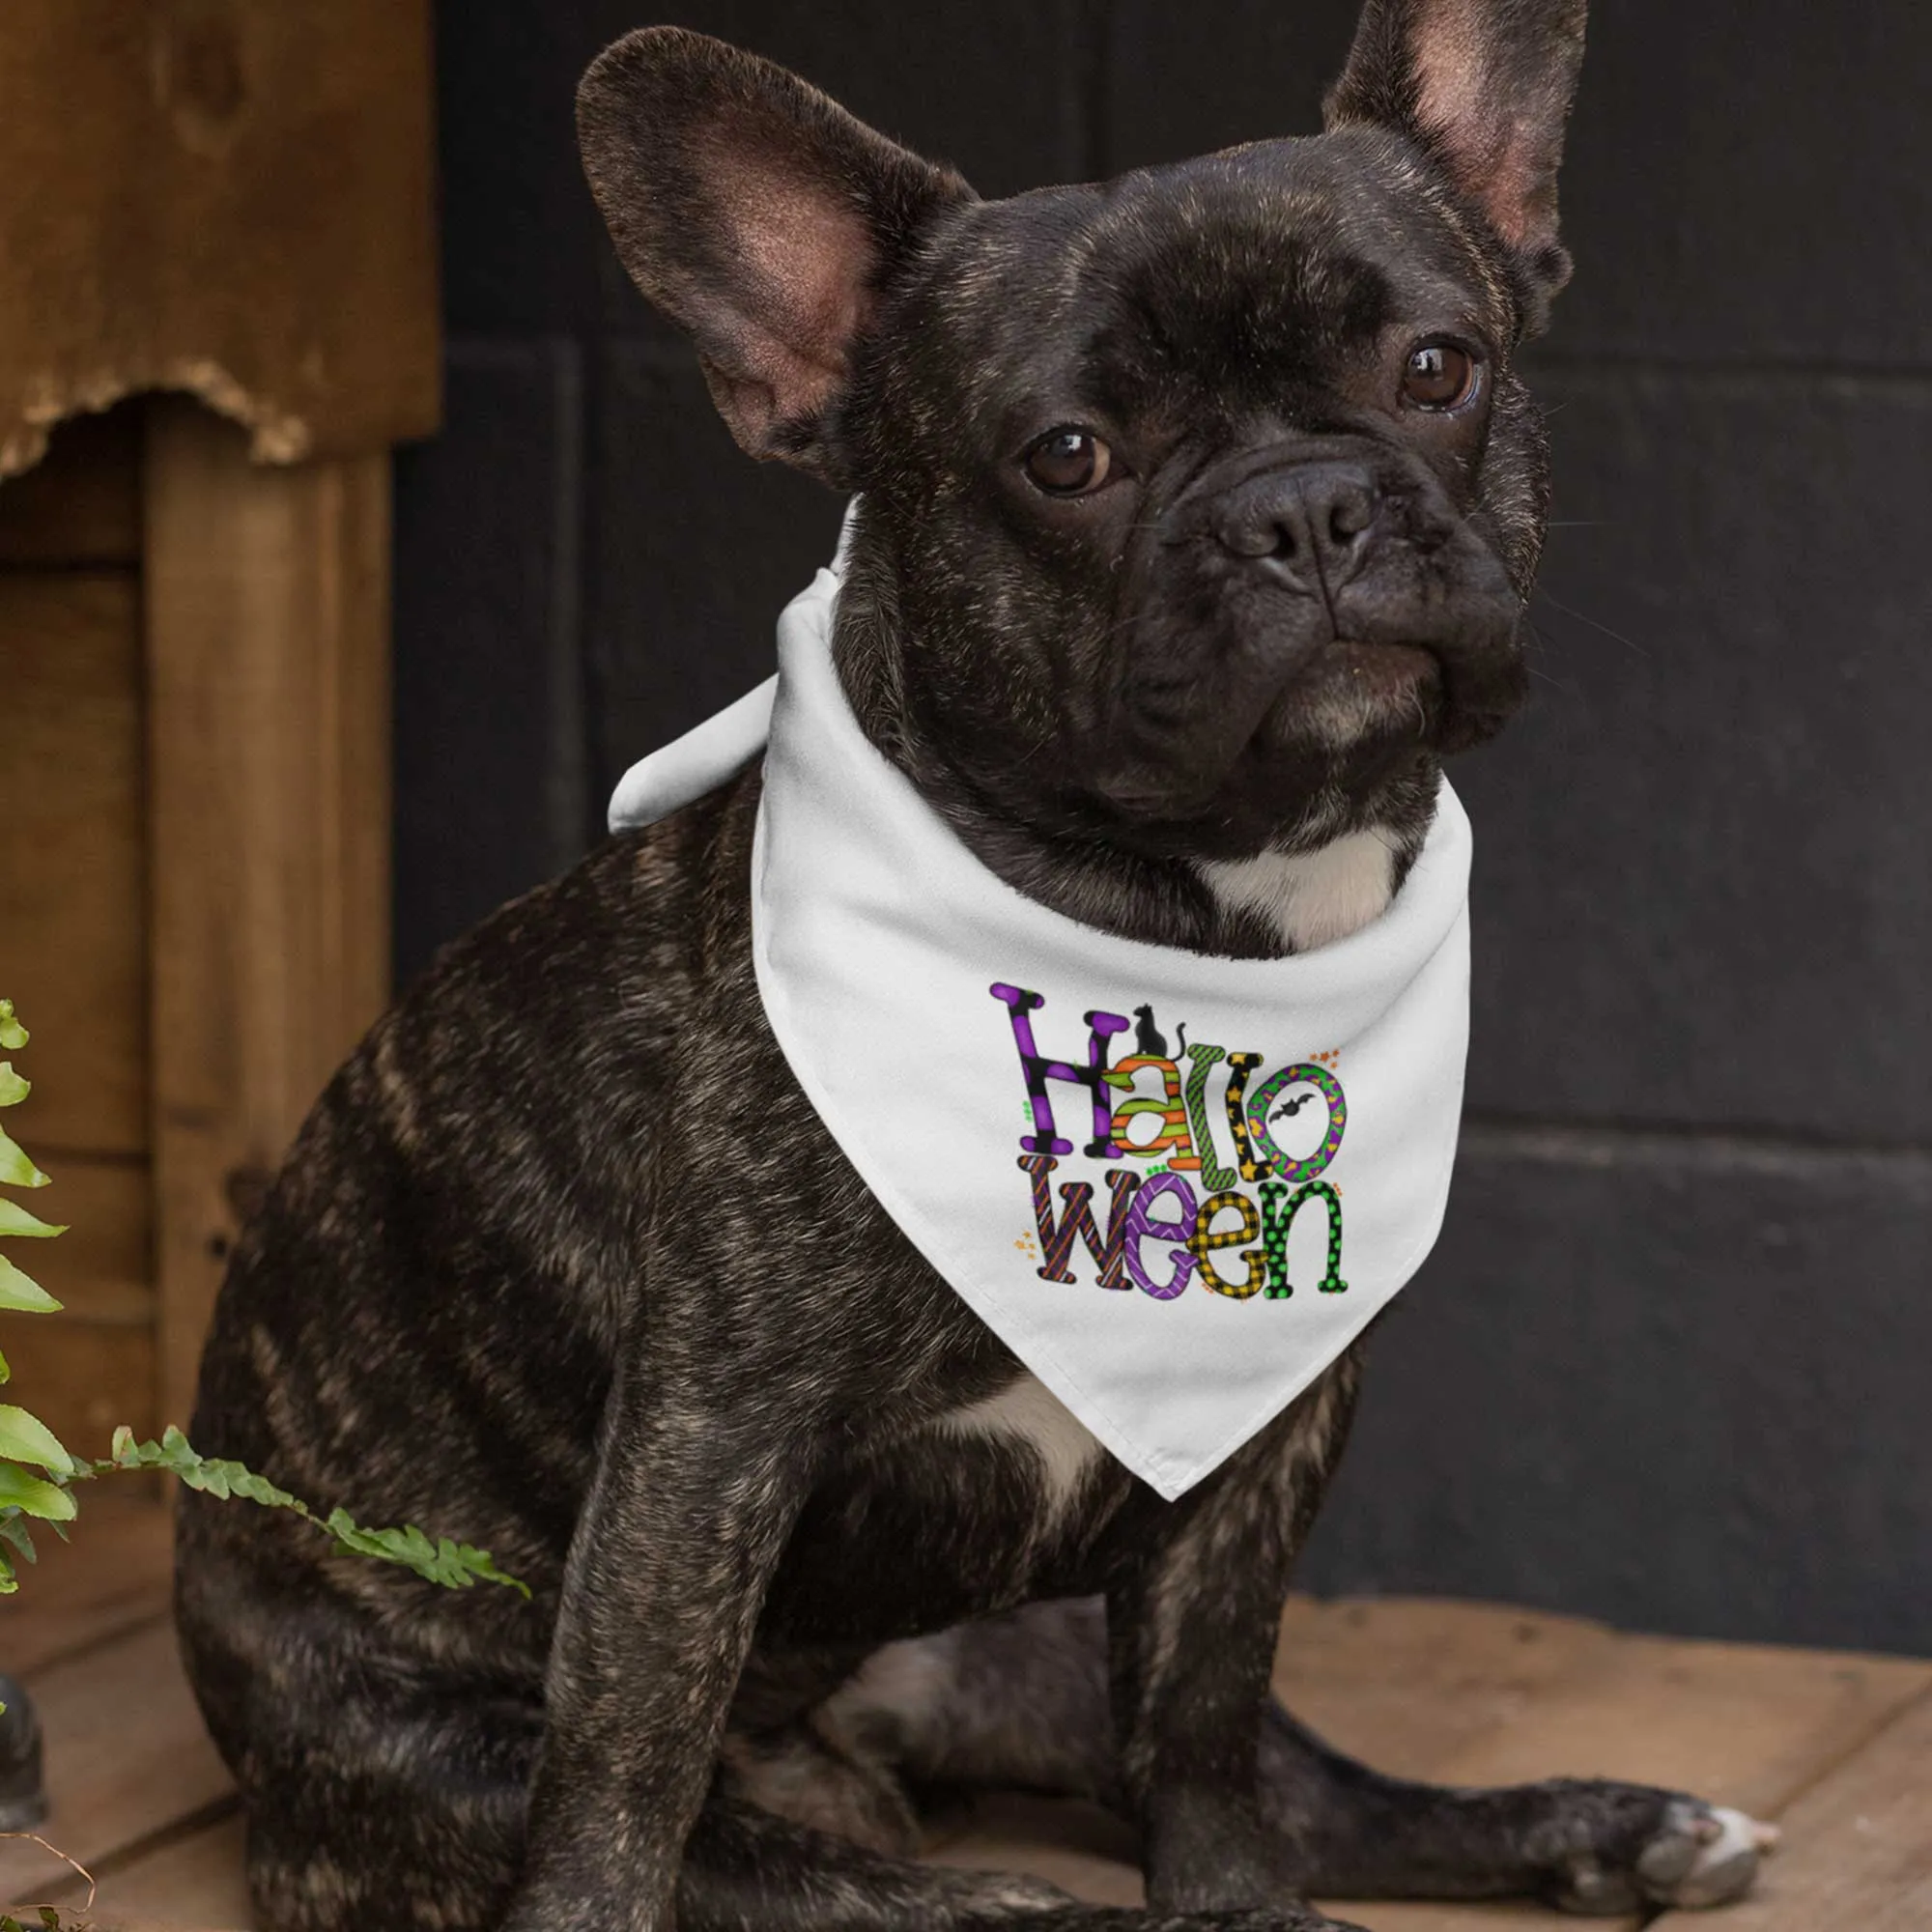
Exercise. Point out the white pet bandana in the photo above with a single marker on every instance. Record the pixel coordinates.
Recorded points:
(1177, 1186)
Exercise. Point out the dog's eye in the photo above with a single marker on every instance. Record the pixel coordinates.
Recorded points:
(1439, 376)
(1069, 461)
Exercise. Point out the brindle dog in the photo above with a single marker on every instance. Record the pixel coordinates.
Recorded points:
(1198, 508)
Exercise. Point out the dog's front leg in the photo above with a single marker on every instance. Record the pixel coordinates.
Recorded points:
(1192, 1616)
(690, 1509)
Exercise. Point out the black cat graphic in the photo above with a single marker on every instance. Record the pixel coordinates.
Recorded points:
(1148, 1040)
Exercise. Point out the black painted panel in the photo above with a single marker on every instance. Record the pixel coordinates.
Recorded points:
(1753, 180)
(524, 250)
(1743, 182)
(993, 86)
(695, 551)
(1651, 1383)
(489, 736)
(1702, 887)
(1185, 80)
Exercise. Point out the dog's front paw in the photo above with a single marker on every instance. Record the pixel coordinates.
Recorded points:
(1610, 1848)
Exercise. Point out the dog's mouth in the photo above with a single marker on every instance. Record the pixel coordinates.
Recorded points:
(1362, 701)
(1354, 694)
(1353, 708)
(1357, 696)
(1357, 704)
(1373, 678)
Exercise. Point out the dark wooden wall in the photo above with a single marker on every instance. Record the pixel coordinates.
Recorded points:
(75, 881)
(1673, 1361)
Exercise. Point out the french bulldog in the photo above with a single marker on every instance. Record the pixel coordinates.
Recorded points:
(1197, 513)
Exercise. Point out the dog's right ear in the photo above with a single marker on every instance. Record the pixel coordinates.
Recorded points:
(760, 215)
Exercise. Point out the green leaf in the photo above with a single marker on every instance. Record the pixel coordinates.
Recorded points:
(16, 1169)
(456, 1566)
(25, 1438)
(14, 1531)
(6, 1374)
(357, 1539)
(480, 1563)
(16, 1220)
(13, 1088)
(13, 1034)
(23, 1294)
(219, 1478)
(21, 1490)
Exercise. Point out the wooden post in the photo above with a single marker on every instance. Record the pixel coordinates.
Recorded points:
(234, 200)
(267, 627)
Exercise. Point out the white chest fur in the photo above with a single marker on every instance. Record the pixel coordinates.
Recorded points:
(1312, 899)
(1027, 1412)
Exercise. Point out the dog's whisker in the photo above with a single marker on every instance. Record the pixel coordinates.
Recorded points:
(1583, 617)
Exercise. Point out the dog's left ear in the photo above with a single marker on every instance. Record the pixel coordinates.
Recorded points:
(1485, 86)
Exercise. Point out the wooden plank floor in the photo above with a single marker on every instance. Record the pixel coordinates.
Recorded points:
(1837, 1747)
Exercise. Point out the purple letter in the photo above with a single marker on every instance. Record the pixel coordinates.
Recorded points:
(1038, 1069)
(1141, 1225)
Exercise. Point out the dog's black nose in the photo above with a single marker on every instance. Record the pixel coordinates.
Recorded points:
(1313, 522)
